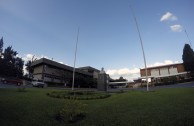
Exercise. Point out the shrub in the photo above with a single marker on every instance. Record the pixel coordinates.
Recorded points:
(72, 111)
(23, 89)
(79, 95)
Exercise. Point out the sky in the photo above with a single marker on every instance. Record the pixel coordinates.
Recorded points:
(108, 35)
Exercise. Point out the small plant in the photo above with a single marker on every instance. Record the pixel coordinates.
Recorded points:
(72, 111)
(121, 91)
(79, 95)
(23, 89)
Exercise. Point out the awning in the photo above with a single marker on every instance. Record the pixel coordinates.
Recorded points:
(168, 75)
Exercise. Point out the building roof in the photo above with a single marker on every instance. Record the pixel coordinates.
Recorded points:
(89, 68)
(162, 66)
(43, 61)
(50, 62)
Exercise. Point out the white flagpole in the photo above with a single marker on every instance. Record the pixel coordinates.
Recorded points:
(188, 38)
(75, 60)
(141, 47)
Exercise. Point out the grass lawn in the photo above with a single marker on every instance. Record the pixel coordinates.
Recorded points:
(164, 107)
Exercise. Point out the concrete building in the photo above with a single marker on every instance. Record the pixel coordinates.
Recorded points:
(92, 70)
(51, 71)
(157, 73)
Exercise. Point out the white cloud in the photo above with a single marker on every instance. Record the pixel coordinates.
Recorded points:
(111, 72)
(123, 71)
(176, 28)
(61, 62)
(29, 56)
(168, 17)
(127, 73)
(166, 62)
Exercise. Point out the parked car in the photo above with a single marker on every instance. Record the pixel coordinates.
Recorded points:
(38, 83)
(16, 81)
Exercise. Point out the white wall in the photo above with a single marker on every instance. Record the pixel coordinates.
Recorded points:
(155, 72)
(164, 71)
(173, 70)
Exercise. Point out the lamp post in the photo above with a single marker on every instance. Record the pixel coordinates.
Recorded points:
(75, 60)
(141, 47)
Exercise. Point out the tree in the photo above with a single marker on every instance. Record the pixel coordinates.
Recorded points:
(1, 46)
(19, 63)
(1, 56)
(121, 79)
(12, 65)
(29, 68)
(188, 58)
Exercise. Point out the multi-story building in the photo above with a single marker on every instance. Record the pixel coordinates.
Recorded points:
(51, 71)
(158, 72)
(92, 70)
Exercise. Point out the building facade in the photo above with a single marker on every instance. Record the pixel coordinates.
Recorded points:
(51, 71)
(91, 70)
(156, 74)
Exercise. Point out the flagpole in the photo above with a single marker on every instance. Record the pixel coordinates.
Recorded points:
(188, 37)
(73, 81)
(142, 48)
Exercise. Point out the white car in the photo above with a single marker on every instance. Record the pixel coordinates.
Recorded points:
(38, 83)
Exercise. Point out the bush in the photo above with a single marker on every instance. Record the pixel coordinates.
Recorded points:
(79, 95)
(72, 111)
(23, 89)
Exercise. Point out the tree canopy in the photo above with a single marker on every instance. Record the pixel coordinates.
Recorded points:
(10, 64)
(188, 58)
(1, 46)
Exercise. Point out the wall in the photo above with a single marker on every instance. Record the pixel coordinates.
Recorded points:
(155, 72)
(166, 70)
(38, 77)
(38, 69)
(143, 73)
(173, 70)
(181, 68)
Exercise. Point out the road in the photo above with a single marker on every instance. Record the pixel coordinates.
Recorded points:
(181, 85)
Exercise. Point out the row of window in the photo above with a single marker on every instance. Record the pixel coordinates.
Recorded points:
(54, 77)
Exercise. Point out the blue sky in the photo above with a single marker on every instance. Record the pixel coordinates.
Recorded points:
(108, 36)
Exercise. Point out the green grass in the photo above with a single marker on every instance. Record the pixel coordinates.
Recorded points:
(165, 107)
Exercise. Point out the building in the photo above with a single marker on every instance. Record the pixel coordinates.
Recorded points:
(51, 71)
(92, 70)
(157, 73)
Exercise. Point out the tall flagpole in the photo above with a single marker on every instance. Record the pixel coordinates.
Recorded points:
(75, 60)
(141, 47)
(188, 38)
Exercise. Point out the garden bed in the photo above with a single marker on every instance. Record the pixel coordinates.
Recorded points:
(79, 95)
